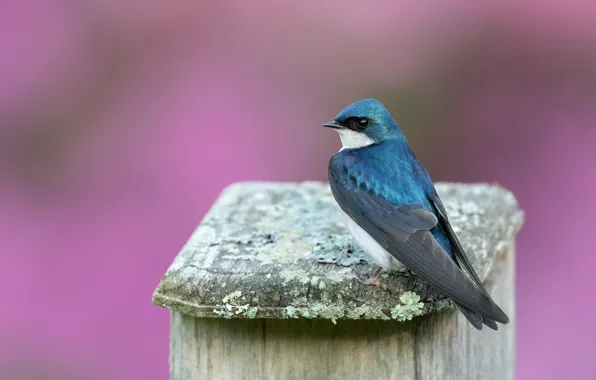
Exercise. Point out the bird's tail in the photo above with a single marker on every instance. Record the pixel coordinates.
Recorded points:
(478, 320)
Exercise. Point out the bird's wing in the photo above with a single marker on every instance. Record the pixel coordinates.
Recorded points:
(404, 232)
(458, 251)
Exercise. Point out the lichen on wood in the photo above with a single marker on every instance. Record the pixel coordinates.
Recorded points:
(281, 250)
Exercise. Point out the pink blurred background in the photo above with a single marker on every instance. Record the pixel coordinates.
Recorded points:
(120, 122)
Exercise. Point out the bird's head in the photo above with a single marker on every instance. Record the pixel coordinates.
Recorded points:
(363, 123)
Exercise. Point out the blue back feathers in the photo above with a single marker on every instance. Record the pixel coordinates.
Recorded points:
(388, 168)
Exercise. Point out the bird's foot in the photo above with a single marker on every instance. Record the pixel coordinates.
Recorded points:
(374, 280)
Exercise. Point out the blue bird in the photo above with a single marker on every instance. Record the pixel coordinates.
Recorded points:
(394, 213)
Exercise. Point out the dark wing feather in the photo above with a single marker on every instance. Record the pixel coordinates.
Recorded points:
(404, 232)
(460, 258)
(458, 251)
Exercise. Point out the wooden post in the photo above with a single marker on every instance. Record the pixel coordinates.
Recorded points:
(266, 288)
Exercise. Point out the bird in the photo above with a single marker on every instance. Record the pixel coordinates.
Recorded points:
(393, 211)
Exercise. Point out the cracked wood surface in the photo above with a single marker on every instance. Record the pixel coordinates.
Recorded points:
(281, 250)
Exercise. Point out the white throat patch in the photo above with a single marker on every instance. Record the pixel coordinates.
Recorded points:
(351, 139)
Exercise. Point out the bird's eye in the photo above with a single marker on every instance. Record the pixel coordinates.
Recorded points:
(363, 123)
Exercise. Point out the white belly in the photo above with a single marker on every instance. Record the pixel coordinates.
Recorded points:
(377, 253)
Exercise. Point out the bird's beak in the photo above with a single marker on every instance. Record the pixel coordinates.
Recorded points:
(332, 124)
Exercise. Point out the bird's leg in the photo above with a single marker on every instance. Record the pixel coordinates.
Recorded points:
(375, 279)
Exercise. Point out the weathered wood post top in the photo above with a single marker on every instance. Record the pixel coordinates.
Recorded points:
(267, 288)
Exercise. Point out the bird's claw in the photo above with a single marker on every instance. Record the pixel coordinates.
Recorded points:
(374, 281)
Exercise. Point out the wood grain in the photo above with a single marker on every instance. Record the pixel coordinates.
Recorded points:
(442, 345)
(266, 288)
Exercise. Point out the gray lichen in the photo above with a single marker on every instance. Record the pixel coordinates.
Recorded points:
(298, 274)
(340, 250)
(367, 312)
(411, 307)
(252, 312)
(230, 307)
(264, 249)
